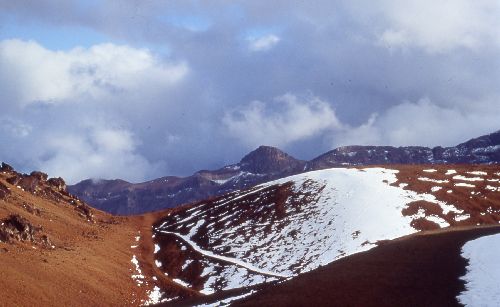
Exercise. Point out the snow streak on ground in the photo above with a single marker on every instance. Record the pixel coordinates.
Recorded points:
(227, 301)
(324, 216)
(223, 258)
(483, 272)
(154, 295)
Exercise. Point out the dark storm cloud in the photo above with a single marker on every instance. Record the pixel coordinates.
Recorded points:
(221, 77)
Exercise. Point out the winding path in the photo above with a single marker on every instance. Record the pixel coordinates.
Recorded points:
(223, 258)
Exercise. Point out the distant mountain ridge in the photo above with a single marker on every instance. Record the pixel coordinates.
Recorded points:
(268, 163)
(481, 150)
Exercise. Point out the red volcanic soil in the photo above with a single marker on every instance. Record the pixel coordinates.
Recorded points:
(71, 255)
(477, 198)
(66, 256)
(419, 270)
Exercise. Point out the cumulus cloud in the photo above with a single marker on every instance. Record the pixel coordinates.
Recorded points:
(263, 43)
(439, 26)
(31, 73)
(101, 153)
(182, 103)
(425, 123)
(62, 109)
(286, 120)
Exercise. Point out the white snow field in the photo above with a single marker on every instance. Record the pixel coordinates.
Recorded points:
(328, 214)
(483, 272)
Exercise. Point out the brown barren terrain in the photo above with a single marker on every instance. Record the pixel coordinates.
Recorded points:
(73, 259)
(419, 270)
(66, 253)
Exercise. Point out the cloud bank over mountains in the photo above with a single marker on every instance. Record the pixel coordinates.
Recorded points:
(152, 88)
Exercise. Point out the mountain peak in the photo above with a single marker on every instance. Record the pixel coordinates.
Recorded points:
(268, 159)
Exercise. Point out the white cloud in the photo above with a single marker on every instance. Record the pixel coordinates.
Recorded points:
(286, 120)
(102, 153)
(15, 128)
(32, 73)
(69, 108)
(263, 43)
(424, 123)
(439, 26)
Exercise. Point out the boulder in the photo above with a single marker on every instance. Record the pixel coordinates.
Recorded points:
(15, 179)
(39, 175)
(57, 183)
(17, 228)
(4, 191)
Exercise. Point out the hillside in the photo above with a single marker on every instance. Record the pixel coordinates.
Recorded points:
(265, 164)
(55, 250)
(297, 224)
(244, 242)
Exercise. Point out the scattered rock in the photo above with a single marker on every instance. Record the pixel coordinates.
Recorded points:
(17, 228)
(85, 211)
(32, 209)
(14, 180)
(4, 191)
(46, 241)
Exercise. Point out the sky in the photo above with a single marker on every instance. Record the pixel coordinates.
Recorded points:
(139, 89)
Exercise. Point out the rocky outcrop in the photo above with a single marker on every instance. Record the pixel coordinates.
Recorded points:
(17, 228)
(6, 168)
(84, 211)
(38, 183)
(58, 184)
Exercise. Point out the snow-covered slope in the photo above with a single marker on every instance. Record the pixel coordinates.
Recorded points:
(483, 272)
(293, 225)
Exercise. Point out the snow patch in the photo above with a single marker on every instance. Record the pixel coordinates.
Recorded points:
(433, 180)
(460, 177)
(478, 173)
(491, 188)
(430, 170)
(154, 296)
(137, 277)
(181, 282)
(483, 272)
(435, 189)
(450, 172)
(466, 185)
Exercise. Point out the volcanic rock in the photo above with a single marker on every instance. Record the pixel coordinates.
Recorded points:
(4, 191)
(6, 168)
